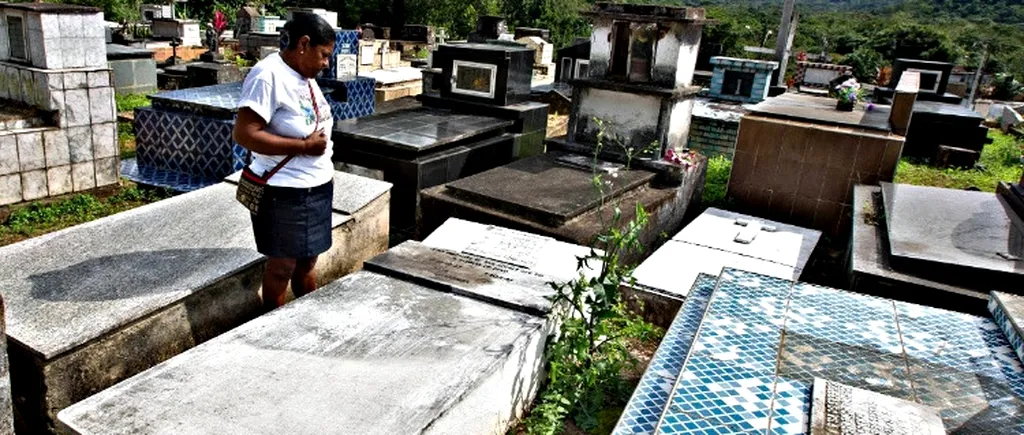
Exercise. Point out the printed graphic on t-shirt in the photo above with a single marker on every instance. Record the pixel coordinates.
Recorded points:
(306, 108)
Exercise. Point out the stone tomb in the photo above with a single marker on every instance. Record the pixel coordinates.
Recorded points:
(1008, 312)
(644, 99)
(97, 303)
(133, 69)
(815, 77)
(742, 80)
(718, 239)
(396, 350)
(943, 247)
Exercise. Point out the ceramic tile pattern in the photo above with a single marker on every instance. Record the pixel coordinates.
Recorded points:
(175, 181)
(651, 395)
(762, 342)
(1006, 313)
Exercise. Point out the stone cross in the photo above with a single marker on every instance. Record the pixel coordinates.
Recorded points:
(750, 230)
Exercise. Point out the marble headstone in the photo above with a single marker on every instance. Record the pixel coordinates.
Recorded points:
(839, 409)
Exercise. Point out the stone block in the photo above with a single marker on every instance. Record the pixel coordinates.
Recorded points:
(76, 80)
(73, 52)
(83, 176)
(10, 189)
(76, 103)
(58, 180)
(9, 155)
(70, 26)
(4, 89)
(55, 81)
(54, 101)
(54, 49)
(107, 171)
(80, 144)
(95, 53)
(93, 26)
(33, 185)
(955, 157)
(27, 85)
(104, 140)
(36, 54)
(99, 79)
(30, 151)
(55, 144)
(50, 24)
(101, 105)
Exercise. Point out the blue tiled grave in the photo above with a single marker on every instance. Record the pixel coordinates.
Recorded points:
(188, 131)
(1008, 313)
(742, 80)
(763, 340)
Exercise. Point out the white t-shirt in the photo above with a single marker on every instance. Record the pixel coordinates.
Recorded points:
(281, 96)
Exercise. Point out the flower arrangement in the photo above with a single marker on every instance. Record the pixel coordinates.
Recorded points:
(847, 94)
(683, 158)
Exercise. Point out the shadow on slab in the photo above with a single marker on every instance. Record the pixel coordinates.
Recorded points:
(136, 274)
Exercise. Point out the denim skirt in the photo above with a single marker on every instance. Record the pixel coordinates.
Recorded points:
(294, 222)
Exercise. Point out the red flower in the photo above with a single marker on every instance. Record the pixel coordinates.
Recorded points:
(220, 22)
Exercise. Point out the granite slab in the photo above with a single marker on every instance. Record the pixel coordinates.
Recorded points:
(948, 110)
(844, 410)
(69, 287)
(541, 254)
(775, 242)
(803, 107)
(952, 227)
(6, 409)
(417, 130)
(542, 190)
(492, 281)
(367, 354)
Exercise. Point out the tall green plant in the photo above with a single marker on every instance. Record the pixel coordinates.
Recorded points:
(585, 363)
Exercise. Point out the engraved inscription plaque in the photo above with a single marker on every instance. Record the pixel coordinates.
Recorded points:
(839, 409)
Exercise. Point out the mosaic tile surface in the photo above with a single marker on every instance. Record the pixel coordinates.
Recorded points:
(1008, 313)
(224, 96)
(651, 395)
(190, 144)
(175, 181)
(752, 363)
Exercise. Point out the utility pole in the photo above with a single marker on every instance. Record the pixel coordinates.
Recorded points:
(977, 77)
(784, 43)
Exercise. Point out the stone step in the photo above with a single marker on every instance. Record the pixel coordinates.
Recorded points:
(651, 395)
(372, 353)
(368, 354)
(763, 341)
(1008, 313)
(97, 303)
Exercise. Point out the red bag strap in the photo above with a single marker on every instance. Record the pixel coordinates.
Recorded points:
(316, 126)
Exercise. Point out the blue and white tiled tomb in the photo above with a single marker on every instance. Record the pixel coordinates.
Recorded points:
(740, 80)
(742, 355)
(184, 140)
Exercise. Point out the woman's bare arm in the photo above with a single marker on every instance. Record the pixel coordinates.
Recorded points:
(250, 132)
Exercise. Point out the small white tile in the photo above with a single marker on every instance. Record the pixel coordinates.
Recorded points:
(10, 189)
(70, 26)
(93, 26)
(33, 185)
(80, 143)
(104, 140)
(76, 106)
(56, 100)
(9, 155)
(107, 171)
(83, 176)
(71, 49)
(55, 143)
(58, 180)
(95, 53)
(99, 79)
(75, 80)
(30, 151)
(101, 105)
(55, 80)
(51, 26)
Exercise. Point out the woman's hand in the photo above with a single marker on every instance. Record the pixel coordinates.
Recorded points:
(316, 143)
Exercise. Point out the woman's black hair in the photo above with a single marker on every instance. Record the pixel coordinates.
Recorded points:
(307, 24)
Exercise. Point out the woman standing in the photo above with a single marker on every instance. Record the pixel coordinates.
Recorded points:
(285, 122)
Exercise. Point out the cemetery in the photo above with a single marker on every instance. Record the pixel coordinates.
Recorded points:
(486, 275)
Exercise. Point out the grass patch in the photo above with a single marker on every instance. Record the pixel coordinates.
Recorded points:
(130, 102)
(34, 219)
(1000, 161)
(716, 182)
(126, 139)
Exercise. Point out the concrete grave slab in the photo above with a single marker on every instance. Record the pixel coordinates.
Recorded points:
(367, 354)
(351, 192)
(953, 228)
(94, 304)
(776, 242)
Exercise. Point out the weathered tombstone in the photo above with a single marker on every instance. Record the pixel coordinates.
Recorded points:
(844, 410)
(955, 157)
(742, 80)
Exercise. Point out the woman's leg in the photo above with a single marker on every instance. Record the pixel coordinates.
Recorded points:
(275, 281)
(304, 277)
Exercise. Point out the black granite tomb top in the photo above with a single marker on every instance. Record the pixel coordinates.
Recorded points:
(953, 228)
(53, 8)
(543, 190)
(822, 110)
(419, 129)
(947, 110)
(118, 51)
